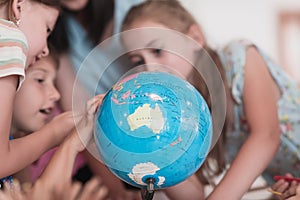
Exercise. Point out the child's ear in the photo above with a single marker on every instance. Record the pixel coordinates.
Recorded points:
(196, 33)
(16, 8)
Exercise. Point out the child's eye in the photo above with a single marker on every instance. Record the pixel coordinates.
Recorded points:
(157, 51)
(39, 80)
(140, 62)
(137, 60)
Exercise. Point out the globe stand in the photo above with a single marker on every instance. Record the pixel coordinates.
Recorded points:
(148, 192)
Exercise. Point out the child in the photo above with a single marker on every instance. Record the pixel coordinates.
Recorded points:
(17, 19)
(264, 100)
(56, 182)
(35, 102)
(80, 27)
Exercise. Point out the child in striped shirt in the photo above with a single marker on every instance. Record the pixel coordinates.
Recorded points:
(24, 28)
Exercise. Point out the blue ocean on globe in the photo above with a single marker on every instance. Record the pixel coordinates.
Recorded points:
(153, 125)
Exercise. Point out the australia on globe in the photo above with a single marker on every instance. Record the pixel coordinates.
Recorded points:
(153, 125)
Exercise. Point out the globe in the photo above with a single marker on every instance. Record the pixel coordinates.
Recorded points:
(153, 125)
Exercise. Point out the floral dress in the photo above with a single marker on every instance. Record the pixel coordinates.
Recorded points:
(287, 159)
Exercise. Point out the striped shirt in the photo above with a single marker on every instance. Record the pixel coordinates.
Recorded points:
(13, 50)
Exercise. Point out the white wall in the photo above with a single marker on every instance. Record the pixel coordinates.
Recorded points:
(256, 20)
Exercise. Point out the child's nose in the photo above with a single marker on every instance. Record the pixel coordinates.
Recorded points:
(45, 51)
(54, 94)
(150, 60)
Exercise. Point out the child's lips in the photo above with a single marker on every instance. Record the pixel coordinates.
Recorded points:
(47, 112)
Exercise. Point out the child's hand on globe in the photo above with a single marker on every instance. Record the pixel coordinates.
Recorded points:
(86, 124)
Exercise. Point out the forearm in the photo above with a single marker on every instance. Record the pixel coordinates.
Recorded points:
(59, 170)
(19, 153)
(252, 159)
(8, 91)
(8, 86)
(188, 189)
(23, 151)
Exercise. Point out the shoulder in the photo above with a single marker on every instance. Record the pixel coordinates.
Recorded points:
(13, 43)
(236, 48)
(11, 35)
(235, 56)
(13, 50)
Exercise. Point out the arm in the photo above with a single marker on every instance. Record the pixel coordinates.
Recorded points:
(8, 86)
(190, 188)
(59, 170)
(260, 103)
(19, 153)
(56, 182)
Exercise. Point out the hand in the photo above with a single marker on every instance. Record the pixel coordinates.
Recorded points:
(285, 188)
(60, 126)
(12, 192)
(85, 125)
(93, 189)
(292, 191)
(297, 196)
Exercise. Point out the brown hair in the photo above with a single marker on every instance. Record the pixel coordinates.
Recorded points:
(173, 15)
(94, 18)
(54, 56)
(163, 12)
(51, 3)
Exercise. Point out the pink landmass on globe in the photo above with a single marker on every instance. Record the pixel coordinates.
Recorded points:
(126, 95)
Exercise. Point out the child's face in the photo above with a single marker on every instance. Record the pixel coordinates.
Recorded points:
(35, 101)
(157, 55)
(37, 22)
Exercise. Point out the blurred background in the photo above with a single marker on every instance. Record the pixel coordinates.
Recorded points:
(273, 25)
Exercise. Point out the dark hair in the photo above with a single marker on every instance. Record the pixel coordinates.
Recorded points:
(162, 12)
(94, 18)
(52, 3)
(54, 56)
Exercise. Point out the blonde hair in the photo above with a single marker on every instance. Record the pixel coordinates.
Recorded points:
(10, 12)
(163, 12)
(174, 16)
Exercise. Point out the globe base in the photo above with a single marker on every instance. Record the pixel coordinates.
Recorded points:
(148, 192)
